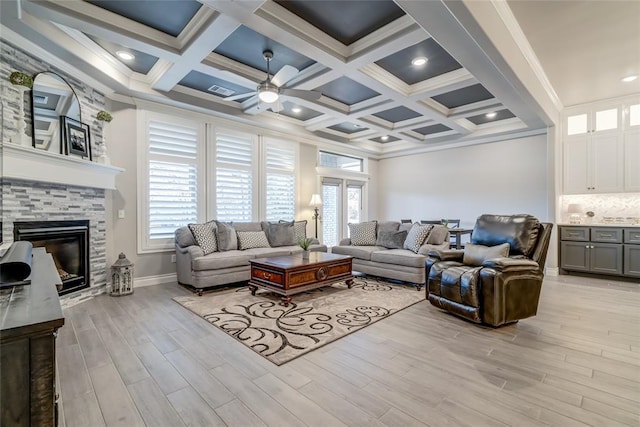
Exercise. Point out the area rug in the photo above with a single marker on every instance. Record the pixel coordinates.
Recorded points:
(311, 320)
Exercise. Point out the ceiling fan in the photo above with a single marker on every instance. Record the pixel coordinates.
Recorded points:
(270, 89)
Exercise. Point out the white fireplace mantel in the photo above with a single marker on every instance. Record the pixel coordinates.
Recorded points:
(31, 164)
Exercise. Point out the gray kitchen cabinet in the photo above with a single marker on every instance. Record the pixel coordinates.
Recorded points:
(600, 250)
(632, 252)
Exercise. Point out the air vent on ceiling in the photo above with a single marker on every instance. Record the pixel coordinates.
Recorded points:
(219, 90)
(40, 99)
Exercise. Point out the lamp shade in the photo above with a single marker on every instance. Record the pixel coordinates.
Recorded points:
(315, 200)
(574, 208)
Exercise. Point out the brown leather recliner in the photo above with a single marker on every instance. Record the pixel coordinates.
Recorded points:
(498, 290)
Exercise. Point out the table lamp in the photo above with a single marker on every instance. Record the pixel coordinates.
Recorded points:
(316, 201)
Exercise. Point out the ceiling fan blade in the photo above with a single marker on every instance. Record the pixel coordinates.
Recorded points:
(285, 74)
(309, 95)
(239, 96)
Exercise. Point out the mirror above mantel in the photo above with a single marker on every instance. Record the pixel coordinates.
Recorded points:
(51, 98)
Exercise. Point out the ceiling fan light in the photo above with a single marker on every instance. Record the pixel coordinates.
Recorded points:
(268, 93)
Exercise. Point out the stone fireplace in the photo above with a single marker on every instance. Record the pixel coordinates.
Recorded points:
(68, 244)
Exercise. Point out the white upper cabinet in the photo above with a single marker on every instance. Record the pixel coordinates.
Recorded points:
(631, 155)
(601, 148)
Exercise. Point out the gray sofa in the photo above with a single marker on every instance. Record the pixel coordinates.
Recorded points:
(201, 271)
(398, 264)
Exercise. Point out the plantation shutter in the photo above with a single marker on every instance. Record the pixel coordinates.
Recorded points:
(280, 163)
(172, 179)
(234, 177)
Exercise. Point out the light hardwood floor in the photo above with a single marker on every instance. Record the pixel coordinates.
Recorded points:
(145, 360)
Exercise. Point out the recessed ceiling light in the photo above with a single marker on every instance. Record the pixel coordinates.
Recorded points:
(296, 110)
(491, 115)
(629, 79)
(125, 56)
(384, 138)
(419, 61)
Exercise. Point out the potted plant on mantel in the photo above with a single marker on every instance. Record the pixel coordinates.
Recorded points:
(105, 117)
(305, 244)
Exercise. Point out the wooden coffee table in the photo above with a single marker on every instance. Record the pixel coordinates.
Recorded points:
(290, 275)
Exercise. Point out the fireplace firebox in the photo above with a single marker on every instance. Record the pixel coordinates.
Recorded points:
(68, 244)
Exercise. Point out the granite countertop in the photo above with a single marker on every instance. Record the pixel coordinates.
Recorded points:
(599, 224)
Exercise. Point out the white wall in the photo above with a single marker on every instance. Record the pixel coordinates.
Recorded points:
(505, 177)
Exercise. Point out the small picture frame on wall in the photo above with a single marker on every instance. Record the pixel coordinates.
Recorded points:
(77, 138)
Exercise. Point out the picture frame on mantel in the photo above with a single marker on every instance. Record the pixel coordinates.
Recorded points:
(77, 138)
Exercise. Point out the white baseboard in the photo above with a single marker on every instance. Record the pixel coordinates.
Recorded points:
(161, 279)
(552, 271)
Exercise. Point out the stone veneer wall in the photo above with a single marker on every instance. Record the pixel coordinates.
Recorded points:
(625, 205)
(12, 59)
(37, 201)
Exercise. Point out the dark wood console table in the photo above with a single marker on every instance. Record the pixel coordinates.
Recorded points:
(30, 317)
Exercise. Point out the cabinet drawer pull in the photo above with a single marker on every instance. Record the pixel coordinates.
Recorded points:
(606, 235)
(574, 233)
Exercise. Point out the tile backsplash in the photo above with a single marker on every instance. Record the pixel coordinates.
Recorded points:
(619, 205)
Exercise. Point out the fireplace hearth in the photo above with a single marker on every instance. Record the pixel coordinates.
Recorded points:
(67, 242)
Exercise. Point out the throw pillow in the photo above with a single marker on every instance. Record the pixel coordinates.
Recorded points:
(252, 239)
(416, 236)
(280, 234)
(363, 233)
(477, 254)
(391, 239)
(205, 236)
(299, 230)
(227, 238)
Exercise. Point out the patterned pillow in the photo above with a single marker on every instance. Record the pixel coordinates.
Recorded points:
(252, 239)
(416, 236)
(363, 234)
(299, 230)
(205, 236)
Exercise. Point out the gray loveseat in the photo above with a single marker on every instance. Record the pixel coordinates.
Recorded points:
(396, 263)
(223, 267)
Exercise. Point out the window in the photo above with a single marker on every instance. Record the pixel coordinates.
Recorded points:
(339, 161)
(234, 172)
(634, 115)
(340, 208)
(171, 180)
(331, 190)
(280, 168)
(354, 202)
(577, 124)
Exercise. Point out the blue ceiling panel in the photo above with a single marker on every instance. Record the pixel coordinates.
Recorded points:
(428, 130)
(346, 91)
(345, 21)
(168, 16)
(398, 114)
(246, 46)
(212, 85)
(346, 127)
(482, 118)
(439, 62)
(464, 96)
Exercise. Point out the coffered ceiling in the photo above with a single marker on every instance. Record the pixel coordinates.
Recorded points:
(357, 54)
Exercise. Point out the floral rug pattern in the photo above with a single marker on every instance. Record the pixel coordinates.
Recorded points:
(311, 320)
